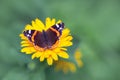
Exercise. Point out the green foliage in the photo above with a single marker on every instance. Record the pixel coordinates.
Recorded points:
(95, 26)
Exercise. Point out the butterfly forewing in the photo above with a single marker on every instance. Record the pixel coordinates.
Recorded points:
(29, 34)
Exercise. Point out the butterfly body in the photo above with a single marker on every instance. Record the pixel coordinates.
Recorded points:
(45, 39)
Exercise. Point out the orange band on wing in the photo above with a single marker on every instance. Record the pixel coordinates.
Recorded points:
(39, 48)
(58, 34)
(33, 36)
(55, 45)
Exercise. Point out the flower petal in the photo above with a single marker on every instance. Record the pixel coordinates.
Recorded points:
(29, 27)
(77, 57)
(33, 56)
(59, 21)
(65, 44)
(56, 50)
(23, 37)
(39, 25)
(65, 33)
(48, 22)
(34, 25)
(53, 21)
(23, 45)
(23, 42)
(37, 55)
(54, 56)
(68, 38)
(63, 54)
(42, 58)
(49, 61)
(72, 67)
(28, 49)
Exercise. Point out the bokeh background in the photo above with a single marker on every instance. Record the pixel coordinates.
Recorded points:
(95, 24)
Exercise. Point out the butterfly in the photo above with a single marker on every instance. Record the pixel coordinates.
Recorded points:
(48, 39)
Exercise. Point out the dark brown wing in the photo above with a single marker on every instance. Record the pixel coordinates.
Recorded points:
(36, 37)
(53, 33)
(51, 37)
(40, 39)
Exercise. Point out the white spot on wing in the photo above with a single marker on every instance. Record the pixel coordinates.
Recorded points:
(57, 25)
(28, 35)
(61, 28)
(29, 31)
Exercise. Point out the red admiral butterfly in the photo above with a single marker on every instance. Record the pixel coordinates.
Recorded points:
(45, 39)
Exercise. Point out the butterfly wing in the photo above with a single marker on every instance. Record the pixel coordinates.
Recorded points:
(29, 34)
(45, 39)
(53, 34)
(58, 27)
(36, 37)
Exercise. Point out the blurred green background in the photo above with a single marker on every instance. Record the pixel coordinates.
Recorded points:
(95, 23)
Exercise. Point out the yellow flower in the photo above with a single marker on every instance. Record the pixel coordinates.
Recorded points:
(49, 54)
(77, 57)
(65, 66)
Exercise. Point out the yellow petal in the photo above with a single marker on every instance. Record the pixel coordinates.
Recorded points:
(63, 49)
(49, 61)
(29, 27)
(79, 63)
(23, 42)
(48, 52)
(29, 52)
(33, 56)
(59, 21)
(77, 57)
(48, 23)
(56, 50)
(23, 37)
(28, 49)
(39, 25)
(23, 45)
(72, 67)
(32, 49)
(65, 33)
(68, 38)
(34, 25)
(53, 21)
(42, 58)
(37, 55)
(63, 55)
(54, 56)
(25, 49)
(65, 44)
